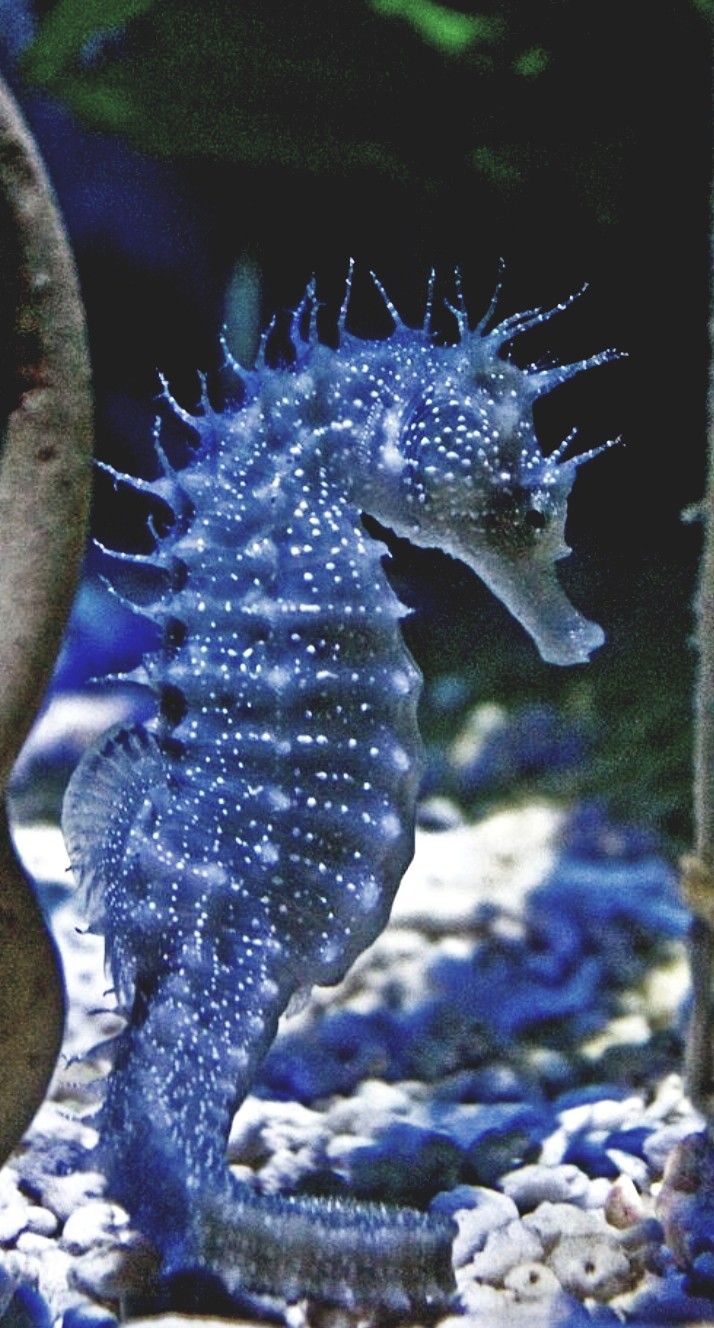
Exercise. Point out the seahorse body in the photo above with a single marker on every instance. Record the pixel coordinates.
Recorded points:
(250, 841)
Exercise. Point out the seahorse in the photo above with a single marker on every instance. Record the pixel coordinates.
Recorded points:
(248, 843)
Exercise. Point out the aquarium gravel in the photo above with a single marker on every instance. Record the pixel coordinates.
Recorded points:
(505, 1054)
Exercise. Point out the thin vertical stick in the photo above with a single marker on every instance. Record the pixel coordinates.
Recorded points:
(44, 502)
(698, 870)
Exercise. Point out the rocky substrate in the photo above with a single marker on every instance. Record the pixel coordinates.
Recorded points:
(506, 1053)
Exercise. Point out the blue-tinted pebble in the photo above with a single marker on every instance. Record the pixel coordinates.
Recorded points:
(50, 1157)
(590, 1157)
(451, 1201)
(587, 1093)
(641, 894)
(27, 1309)
(344, 1049)
(7, 1289)
(469, 1125)
(629, 1141)
(407, 1165)
(534, 741)
(489, 1083)
(88, 1316)
(435, 774)
(497, 1151)
(672, 1300)
(701, 1277)
(589, 833)
(494, 989)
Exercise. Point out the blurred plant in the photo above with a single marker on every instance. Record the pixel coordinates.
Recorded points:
(448, 30)
(44, 501)
(275, 85)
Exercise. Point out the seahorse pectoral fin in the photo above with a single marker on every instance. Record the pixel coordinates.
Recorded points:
(102, 802)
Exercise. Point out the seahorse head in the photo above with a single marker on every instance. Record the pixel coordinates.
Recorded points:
(474, 482)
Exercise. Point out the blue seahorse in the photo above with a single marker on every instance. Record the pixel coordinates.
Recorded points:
(249, 842)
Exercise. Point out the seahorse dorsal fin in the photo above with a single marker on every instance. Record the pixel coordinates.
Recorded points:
(102, 801)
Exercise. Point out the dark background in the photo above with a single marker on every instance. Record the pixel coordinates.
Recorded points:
(197, 144)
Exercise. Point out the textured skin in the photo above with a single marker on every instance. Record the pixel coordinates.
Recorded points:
(252, 843)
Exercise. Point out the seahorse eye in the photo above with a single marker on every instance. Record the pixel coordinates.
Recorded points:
(513, 519)
(535, 519)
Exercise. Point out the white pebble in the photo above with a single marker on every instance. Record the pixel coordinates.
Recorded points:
(41, 1220)
(668, 1099)
(8, 1186)
(30, 1242)
(371, 1109)
(535, 1184)
(112, 1272)
(13, 1220)
(63, 1195)
(659, 1145)
(629, 1165)
(607, 1114)
(591, 1266)
(100, 1273)
(484, 1302)
(553, 1148)
(439, 813)
(54, 1122)
(504, 1249)
(532, 1281)
(93, 1223)
(491, 1212)
(551, 1221)
(340, 1147)
(262, 1128)
(487, 1307)
(47, 1267)
(623, 1206)
(598, 1190)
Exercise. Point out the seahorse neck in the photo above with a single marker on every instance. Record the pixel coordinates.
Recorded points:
(363, 452)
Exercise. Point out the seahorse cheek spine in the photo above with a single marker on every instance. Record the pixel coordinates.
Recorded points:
(251, 842)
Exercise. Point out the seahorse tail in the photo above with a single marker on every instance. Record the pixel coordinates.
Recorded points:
(182, 1066)
(359, 1256)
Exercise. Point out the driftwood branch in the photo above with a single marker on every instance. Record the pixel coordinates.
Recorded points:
(44, 501)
